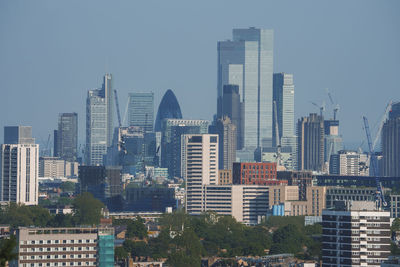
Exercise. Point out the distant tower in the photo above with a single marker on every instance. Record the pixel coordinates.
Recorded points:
(310, 143)
(99, 122)
(19, 166)
(168, 109)
(391, 143)
(227, 143)
(247, 61)
(141, 110)
(66, 137)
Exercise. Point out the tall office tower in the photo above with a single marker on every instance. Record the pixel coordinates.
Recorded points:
(99, 122)
(199, 167)
(355, 233)
(333, 141)
(66, 137)
(168, 109)
(310, 143)
(231, 108)
(172, 131)
(247, 61)
(227, 143)
(19, 166)
(391, 143)
(141, 110)
(348, 163)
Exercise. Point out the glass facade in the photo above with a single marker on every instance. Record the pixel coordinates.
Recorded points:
(141, 110)
(66, 139)
(168, 109)
(105, 250)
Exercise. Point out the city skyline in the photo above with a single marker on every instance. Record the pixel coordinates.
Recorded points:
(312, 62)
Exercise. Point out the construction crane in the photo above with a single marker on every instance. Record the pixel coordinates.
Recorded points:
(321, 108)
(336, 107)
(379, 196)
(277, 139)
(117, 104)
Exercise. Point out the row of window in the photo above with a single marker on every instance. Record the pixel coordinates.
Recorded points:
(72, 241)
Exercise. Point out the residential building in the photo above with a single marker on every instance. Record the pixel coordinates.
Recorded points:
(227, 143)
(83, 246)
(257, 173)
(310, 143)
(51, 167)
(302, 179)
(337, 193)
(99, 122)
(66, 137)
(355, 233)
(19, 166)
(141, 110)
(347, 162)
(280, 193)
(172, 132)
(168, 109)
(395, 206)
(224, 177)
(247, 61)
(391, 143)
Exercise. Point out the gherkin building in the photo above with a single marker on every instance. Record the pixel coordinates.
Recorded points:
(168, 109)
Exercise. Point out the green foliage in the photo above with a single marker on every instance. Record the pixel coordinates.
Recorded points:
(87, 209)
(120, 253)
(62, 220)
(45, 202)
(186, 250)
(136, 228)
(315, 229)
(280, 221)
(396, 225)
(394, 249)
(136, 249)
(67, 187)
(7, 253)
(21, 215)
(64, 201)
(287, 239)
(160, 245)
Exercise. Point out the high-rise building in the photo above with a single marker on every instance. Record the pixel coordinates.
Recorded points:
(355, 233)
(99, 122)
(66, 137)
(231, 108)
(348, 163)
(19, 166)
(247, 61)
(391, 143)
(141, 110)
(227, 143)
(168, 109)
(310, 143)
(172, 131)
(333, 142)
(199, 167)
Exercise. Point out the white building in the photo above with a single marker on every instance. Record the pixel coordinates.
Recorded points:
(348, 163)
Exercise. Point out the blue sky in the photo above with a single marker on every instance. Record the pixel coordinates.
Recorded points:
(52, 52)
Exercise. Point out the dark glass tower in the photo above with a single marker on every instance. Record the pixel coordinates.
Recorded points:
(168, 109)
(66, 137)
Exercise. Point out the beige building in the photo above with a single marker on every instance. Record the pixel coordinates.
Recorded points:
(55, 167)
(224, 177)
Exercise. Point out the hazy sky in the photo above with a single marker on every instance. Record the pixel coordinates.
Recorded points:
(52, 52)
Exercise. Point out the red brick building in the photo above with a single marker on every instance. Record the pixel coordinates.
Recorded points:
(256, 173)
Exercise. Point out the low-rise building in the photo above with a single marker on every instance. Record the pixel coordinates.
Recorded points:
(337, 193)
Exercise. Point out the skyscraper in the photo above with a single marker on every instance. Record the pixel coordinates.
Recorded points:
(227, 143)
(19, 166)
(141, 110)
(99, 122)
(66, 137)
(168, 109)
(310, 143)
(247, 61)
(391, 143)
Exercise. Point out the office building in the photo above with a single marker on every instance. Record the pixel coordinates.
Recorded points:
(141, 110)
(394, 206)
(66, 137)
(337, 193)
(99, 122)
(84, 246)
(231, 108)
(333, 142)
(349, 163)
(247, 61)
(224, 177)
(155, 199)
(355, 233)
(257, 173)
(227, 143)
(172, 131)
(303, 179)
(310, 143)
(391, 143)
(199, 167)
(19, 166)
(51, 167)
(168, 109)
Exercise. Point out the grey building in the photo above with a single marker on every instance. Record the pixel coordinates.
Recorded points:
(310, 143)
(141, 110)
(334, 194)
(18, 135)
(348, 163)
(247, 61)
(66, 137)
(172, 131)
(333, 141)
(391, 143)
(99, 122)
(227, 143)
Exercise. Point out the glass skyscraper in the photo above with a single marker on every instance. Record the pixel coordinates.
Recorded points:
(247, 61)
(141, 110)
(66, 137)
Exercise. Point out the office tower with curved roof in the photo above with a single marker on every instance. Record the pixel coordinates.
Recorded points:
(168, 109)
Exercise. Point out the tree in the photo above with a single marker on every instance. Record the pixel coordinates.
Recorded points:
(87, 209)
(136, 229)
(7, 250)
(187, 250)
(136, 248)
(120, 253)
(67, 187)
(287, 239)
(20, 215)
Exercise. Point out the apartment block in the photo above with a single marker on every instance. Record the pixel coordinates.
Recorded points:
(256, 173)
(224, 177)
(334, 194)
